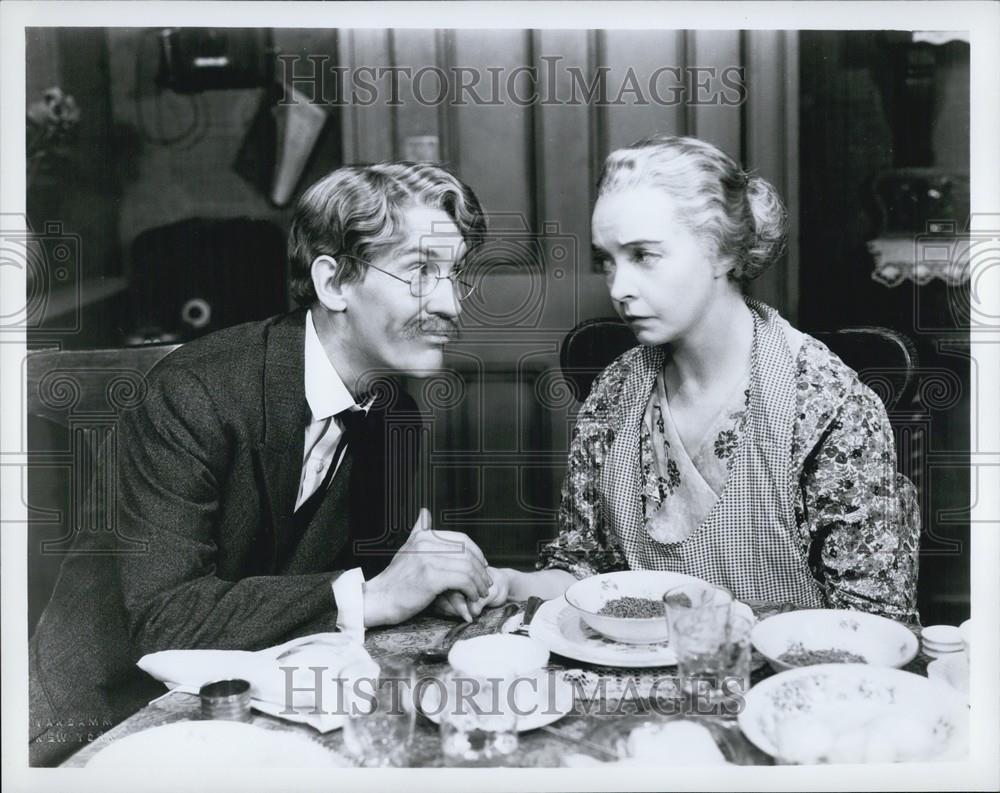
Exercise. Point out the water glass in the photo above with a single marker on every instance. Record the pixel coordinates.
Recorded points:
(478, 721)
(378, 698)
(714, 668)
(705, 611)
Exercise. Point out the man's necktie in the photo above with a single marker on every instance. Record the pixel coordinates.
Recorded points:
(353, 422)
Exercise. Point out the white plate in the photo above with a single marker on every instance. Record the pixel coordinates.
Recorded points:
(203, 744)
(558, 626)
(855, 713)
(540, 704)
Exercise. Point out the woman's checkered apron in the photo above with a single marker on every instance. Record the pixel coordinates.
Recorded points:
(748, 543)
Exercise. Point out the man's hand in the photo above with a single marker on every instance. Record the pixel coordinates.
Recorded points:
(454, 604)
(429, 563)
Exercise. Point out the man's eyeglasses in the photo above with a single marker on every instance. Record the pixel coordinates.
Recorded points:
(425, 280)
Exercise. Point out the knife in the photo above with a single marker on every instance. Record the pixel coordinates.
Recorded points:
(529, 615)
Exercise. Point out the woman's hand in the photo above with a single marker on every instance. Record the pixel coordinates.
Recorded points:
(455, 604)
(499, 589)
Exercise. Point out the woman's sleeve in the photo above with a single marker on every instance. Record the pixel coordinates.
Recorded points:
(582, 546)
(862, 517)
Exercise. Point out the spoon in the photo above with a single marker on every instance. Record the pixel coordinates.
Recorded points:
(439, 652)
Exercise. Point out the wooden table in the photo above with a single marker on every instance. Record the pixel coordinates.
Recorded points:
(538, 748)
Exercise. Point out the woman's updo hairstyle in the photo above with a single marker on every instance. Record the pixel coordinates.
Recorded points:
(740, 215)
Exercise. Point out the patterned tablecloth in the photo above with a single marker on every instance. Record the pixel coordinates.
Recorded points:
(624, 693)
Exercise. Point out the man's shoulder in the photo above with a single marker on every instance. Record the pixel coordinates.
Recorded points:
(227, 353)
(230, 346)
(230, 361)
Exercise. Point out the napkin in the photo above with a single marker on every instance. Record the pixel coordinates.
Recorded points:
(310, 668)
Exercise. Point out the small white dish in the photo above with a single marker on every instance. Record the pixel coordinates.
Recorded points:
(850, 635)
(943, 645)
(930, 652)
(539, 699)
(941, 636)
(498, 655)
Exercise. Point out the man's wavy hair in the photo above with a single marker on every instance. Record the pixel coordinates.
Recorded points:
(355, 213)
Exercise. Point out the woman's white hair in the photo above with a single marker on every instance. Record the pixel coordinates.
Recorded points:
(740, 215)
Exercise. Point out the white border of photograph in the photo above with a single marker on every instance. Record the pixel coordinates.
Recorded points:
(981, 19)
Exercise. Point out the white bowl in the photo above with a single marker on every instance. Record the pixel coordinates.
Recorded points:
(498, 655)
(879, 641)
(855, 713)
(589, 595)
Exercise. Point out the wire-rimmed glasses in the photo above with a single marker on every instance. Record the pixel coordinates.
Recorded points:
(425, 280)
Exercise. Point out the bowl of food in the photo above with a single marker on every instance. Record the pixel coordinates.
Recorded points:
(627, 606)
(855, 713)
(830, 636)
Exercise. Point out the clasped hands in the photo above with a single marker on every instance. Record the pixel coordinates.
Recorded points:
(442, 569)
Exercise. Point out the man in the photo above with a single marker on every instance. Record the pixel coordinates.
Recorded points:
(261, 471)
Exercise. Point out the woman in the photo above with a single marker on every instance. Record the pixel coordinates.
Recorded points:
(728, 445)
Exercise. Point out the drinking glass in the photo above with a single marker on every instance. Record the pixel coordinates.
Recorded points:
(378, 732)
(704, 609)
(713, 661)
(478, 721)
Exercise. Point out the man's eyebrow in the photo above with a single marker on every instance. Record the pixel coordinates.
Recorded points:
(437, 251)
(446, 251)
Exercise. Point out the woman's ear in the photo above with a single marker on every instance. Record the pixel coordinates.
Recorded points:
(722, 266)
(327, 283)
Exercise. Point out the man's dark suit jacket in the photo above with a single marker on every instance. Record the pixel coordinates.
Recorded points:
(209, 467)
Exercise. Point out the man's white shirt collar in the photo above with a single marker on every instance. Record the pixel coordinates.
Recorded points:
(326, 393)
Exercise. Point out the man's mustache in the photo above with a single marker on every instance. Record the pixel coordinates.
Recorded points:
(436, 326)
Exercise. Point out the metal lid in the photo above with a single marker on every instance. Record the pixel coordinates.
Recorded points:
(226, 699)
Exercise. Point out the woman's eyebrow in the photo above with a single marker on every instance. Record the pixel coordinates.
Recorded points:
(629, 244)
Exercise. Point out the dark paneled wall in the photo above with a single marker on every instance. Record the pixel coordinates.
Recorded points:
(874, 103)
(535, 167)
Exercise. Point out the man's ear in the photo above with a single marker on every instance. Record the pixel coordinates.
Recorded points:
(326, 281)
